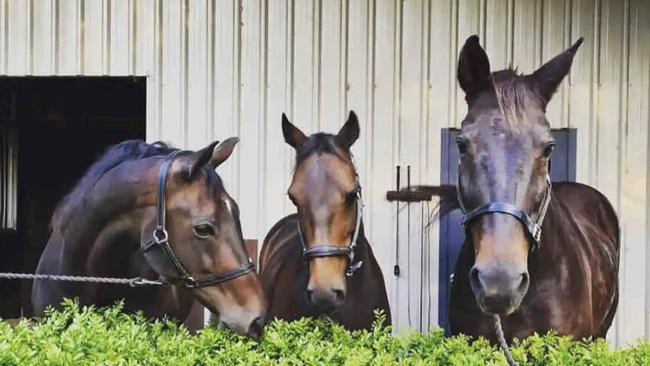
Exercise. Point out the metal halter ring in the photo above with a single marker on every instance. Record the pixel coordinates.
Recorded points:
(160, 238)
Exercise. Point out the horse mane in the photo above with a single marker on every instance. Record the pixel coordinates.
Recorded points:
(512, 92)
(322, 143)
(112, 157)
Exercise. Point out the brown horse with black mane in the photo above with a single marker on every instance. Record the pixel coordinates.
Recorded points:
(319, 261)
(152, 211)
(564, 278)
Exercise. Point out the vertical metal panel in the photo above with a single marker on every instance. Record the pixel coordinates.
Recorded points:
(121, 31)
(199, 133)
(357, 96)
(145, 47)
(225, 73)
(555, 39)
(172, 119)
(43, 42)
(251, 127)
(68, 45)
(582, 81)
(608, 123)
(276, 162)
(331, 64)
(305, 53)
(4, 35)
(527, 34)
(440, 114)
(634, 198)
(226, 68)
(384, 116)
(93, 45)
(18, 33)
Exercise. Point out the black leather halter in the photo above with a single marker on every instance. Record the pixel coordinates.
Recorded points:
(332, 250)
(160, 241)
(533, 227)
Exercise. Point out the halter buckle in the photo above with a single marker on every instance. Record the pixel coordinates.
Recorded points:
(190, 282)
(353, 267)
(160, 235)
(536, 234)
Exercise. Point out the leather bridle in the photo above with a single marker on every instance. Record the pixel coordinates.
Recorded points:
(533, 227)
(160, 242)
(333, 250)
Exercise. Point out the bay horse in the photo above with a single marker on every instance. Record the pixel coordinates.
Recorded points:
(563, 278)
(318, 261)
(149, 210)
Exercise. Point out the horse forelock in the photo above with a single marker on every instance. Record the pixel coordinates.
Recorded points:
(322, 143)
(514, 96)
(114, 156)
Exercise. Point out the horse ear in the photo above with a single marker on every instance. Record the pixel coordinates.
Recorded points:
(349, 133)
(223, 151)
(548, 77)
(292, 134)
(473, 67)
(197, 160)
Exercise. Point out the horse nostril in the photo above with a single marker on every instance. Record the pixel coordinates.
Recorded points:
(523, 285)
(310, 294)
(256, 328)
(339, 294)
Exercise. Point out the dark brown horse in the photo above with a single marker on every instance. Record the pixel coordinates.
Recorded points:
(567, 279)
(319, 261)
(147, 211)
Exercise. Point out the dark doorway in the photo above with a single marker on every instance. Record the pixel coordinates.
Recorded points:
(61, 126)
(563, 168)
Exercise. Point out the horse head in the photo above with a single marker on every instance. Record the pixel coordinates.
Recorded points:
(326, 192)
(503, 181)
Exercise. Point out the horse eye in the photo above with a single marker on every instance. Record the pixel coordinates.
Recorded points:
(203, 231)
(548, 149)
(462, 144)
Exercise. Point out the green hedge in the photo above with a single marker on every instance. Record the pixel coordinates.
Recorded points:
(86, 336)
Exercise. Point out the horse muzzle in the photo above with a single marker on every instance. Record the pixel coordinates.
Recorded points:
(253, 330)
(498, 290)
(326, 300)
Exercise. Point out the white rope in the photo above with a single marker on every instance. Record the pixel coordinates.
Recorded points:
(133, 282)
(502, 341)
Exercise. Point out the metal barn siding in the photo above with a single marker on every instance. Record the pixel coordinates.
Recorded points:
(220, 68)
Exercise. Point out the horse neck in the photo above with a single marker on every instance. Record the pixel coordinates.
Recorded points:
(362, 250)
(110, 218)
(554, 231)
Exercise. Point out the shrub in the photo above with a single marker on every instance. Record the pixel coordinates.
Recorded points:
(79, 335)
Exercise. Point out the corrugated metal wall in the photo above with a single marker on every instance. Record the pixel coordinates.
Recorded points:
(223, 68)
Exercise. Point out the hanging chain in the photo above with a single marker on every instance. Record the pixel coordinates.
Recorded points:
(133, 282)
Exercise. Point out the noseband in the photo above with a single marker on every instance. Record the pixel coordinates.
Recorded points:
(332, 250)
(160, 242)
(533, 227)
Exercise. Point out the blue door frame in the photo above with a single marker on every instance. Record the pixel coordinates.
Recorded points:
(563, 168)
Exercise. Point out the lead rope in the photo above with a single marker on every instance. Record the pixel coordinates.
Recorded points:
(502, 341)
(133, 282)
